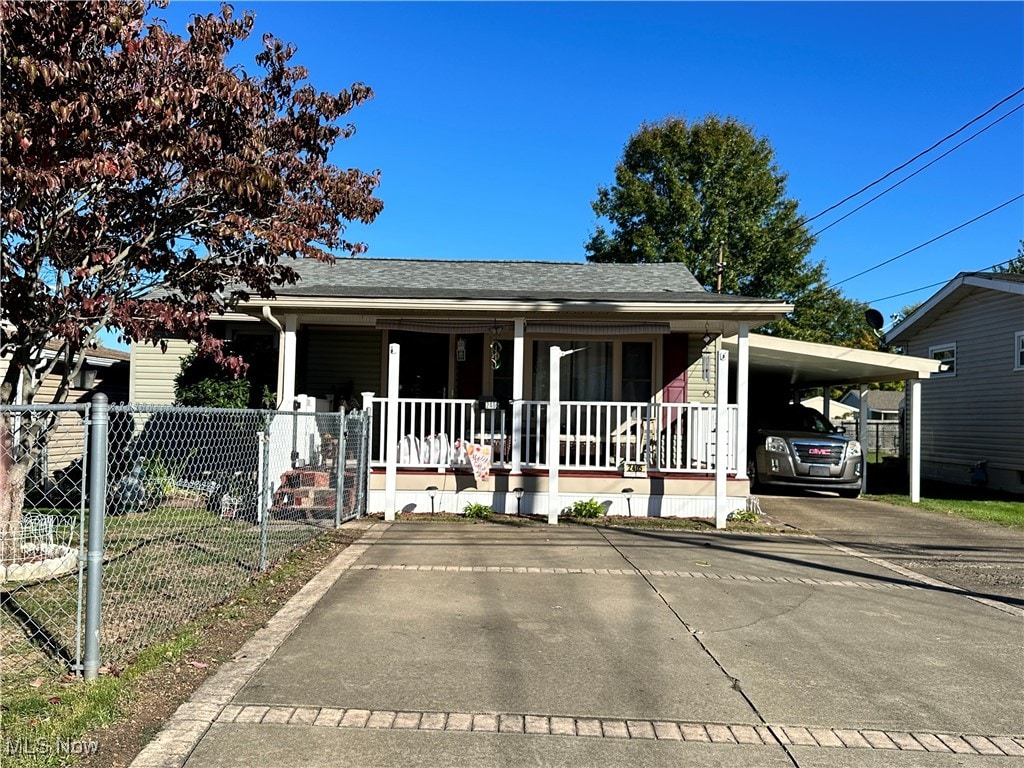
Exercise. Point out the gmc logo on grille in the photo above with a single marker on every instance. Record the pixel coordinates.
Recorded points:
(819, 452)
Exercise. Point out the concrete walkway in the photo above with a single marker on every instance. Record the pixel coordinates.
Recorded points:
(457, 644)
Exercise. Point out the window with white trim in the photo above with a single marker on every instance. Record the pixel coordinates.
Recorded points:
(1018, 351)
(946, 354)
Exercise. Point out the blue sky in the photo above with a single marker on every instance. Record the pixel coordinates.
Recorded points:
(494, 123)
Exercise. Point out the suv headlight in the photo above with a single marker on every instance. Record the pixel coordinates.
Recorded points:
(853, 450)
(776, 445)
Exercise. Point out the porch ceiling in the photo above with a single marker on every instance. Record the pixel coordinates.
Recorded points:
(805, 364)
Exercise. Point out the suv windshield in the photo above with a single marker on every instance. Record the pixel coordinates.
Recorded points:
(797, 418)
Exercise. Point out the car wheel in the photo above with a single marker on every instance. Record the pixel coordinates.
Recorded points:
(755, 483)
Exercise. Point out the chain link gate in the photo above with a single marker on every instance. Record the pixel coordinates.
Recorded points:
(195, 502)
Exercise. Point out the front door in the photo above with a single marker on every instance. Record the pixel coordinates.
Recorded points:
(423, 371)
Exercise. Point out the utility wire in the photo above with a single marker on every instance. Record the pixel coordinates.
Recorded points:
(915, 157)
(929, 242)
(932, 285)
(923, 167)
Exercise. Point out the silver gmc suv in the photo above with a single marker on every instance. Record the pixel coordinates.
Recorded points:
(795, 446)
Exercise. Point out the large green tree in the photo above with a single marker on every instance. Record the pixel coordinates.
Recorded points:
(689, 191)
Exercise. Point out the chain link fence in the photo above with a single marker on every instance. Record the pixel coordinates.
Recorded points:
(42, 513)
(195, 503)
(884, 437)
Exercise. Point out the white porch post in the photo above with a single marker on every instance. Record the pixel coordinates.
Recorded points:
(518, 368)
(554, 406)
(391, 434)
(286, 364)
(915, 440)
(742, 397)
(721, 443)
(862, 435)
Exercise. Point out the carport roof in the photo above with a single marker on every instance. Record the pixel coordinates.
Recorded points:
(806, 364)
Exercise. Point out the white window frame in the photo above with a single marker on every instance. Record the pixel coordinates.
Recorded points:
(937, 349)
(1018, 351)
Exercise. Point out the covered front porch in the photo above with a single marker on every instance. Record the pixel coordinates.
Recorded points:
(531, 456)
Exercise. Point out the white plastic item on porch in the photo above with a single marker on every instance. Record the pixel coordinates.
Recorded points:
(436, 449)
(409, 450)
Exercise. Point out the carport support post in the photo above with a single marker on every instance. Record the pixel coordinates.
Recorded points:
(391, 434)
(915, 441)
(742, 397)
(722, 445)
(862, 435)
(554, 406)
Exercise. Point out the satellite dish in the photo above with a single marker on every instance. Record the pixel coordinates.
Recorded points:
(874, 318)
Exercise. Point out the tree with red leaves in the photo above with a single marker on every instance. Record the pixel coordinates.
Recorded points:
(146, 185)
(133, 159)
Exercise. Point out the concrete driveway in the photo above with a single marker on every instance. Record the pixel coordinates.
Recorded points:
(432, 644)
(982, 558)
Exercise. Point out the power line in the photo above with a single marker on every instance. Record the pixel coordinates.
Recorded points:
(923, 167)
(915, 157)
(929, 242)
(933, 285)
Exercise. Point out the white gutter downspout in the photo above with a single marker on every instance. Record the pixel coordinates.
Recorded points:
(280, 352)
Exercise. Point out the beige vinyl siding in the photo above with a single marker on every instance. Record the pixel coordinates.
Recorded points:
(697, 385)
(978, 413)
(153, 372)
(335, 356)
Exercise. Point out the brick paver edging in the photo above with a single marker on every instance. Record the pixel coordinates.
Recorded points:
(607, 728)
(171, 747)
(710, 575)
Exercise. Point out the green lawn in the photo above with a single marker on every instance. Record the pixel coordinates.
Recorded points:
(1008, 512)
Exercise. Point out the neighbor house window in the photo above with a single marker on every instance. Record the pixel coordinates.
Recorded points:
(1018, 351)
(946, 354)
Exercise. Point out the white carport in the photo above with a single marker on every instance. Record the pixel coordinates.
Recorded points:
(804, 365)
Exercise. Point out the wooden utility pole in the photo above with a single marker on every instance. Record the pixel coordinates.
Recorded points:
(720, 267)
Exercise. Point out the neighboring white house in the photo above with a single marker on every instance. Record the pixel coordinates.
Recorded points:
(882, 405)
(837, 411)
(972, 410)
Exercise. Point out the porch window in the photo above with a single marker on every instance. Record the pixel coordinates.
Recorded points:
(1018, 346)
(636, 371)
(586, 375)
(945, 354)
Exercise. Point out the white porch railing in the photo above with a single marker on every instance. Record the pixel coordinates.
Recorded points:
(667, 437)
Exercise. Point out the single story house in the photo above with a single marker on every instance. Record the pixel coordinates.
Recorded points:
(456, 360)
(972, 410)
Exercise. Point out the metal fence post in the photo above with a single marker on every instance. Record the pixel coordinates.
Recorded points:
(99, 418)
(265, 491)
(339, 468)
(363, 461)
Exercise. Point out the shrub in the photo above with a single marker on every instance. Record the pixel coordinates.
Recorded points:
(589, 508)
(480, 511)
(744, 516)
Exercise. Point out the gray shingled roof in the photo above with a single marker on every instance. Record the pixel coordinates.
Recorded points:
(512, 280)
(883, 399)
